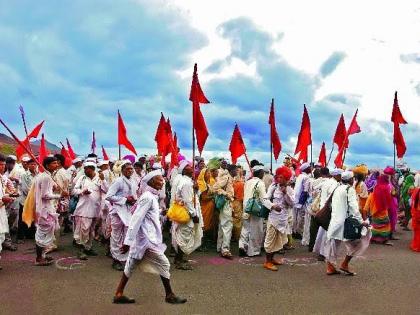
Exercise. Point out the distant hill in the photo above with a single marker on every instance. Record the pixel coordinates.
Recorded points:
(8, 145)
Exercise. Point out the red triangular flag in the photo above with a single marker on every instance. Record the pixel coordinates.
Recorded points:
(196, 93)
(161, 136)
(399, 141)
(67, 158)
(354, 126)
(70, 150)
(199, 124)
(20, 151)
(305, 137)
(397, 117)
(237, 145)
(175, 152)
(274, 136)
(338, 161)
(43, 151)
(122, 135)
(104, 155)
(322, 160)
(340, 132)
(303, 155)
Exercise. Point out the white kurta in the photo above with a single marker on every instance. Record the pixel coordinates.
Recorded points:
(4, 225)
(187, 237)
(89, 206)
(301, 217)
(117, 195)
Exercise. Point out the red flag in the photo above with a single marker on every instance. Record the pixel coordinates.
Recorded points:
(237, 145)
(161, 137)
(303, 155)
(122, 135)
(104, 155)
(199, 124)
(65, 153)
(274, 136)
(322, 160)
(397, 117)
(340, 132)
(399, 141)
(20, 151)
(305, 137)
(70, 150)
(354, 126)
(43, 151)
(339, 160)
(93, 145)
(197, 94)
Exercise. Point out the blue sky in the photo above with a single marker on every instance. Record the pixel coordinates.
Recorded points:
(75, 63)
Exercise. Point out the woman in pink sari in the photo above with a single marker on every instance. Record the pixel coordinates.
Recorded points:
(393, 209)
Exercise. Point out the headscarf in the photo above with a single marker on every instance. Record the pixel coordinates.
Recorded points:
(201, 180)
(213, 164)
(382, 194)
(361, 169)
(285, 172)
(371, 181)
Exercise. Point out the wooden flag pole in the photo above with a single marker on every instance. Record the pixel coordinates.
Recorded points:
(311, 154)
(395, 160)
(332, 150)
(119, 152)
(193, 151)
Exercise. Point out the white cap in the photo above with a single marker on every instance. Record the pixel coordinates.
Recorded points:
(336, 172)
(13, 157)
(182, 165)
(91, 159)
(347, 175)
(156, 166)
(89, 163)
(305, 166)
(103, 162)
(77, 160)
(26, 159)
(150, 175)
(123, 162)
(258, 167)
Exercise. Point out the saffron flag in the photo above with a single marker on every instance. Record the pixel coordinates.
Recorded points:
(340, 132)
(322, 160)
(397, 117)
(67, 158)
(20, 151)
(274, 136)
(70, 150)
(199, 124)
(305, 137)
(237, 145)
(43, 152)
(122, 135)
(104, 155)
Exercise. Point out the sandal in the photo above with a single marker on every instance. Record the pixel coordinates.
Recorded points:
(332, 273)
(348, 272)
(173, 299)
(184, 266)
(227, 255)
(43, 262)
(123, 300)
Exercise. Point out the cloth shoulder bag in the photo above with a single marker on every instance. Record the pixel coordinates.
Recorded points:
(219, 202)
(255, 207)
(352, 226)
(178, 213)
(323, 216)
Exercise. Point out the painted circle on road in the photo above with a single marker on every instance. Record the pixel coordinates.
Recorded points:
(69, 263)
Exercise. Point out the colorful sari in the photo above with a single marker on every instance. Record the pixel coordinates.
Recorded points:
(237, 208)
(205, 181)
(377, 206)
(415, 222)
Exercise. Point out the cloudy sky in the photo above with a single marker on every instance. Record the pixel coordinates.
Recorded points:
(74, 63)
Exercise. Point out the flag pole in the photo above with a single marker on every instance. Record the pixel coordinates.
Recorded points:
(332, 150)
(271, 155)
(119, 152)
(395, 162)
(193, 151)
(22, 114)
(344, 157)
(311, 153)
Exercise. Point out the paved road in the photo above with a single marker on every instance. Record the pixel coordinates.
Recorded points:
(388, 282)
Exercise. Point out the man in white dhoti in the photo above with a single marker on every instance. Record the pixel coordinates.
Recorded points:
(327, 189)
(89, 188)
(62, 178)
(144, 242)
(278, 220)
(186, 238)
(4, 200)
(46, 194)
(122, 196)
(301, 216)
(344, 204)
(104, 219)
(252, 233)
(224, 187)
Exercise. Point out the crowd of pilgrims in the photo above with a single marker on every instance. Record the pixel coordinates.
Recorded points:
(123, 205)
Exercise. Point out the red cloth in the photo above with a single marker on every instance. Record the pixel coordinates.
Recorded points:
(175, 152)
(43, 151)
(399, 141)
(20, 151)
(237, 146)
(285, 172)
(415, 222)
(122, 135)
(382, 194)
(70, 150)
(161, 136)
(68, 161)
(104, 155)
(274, 136)
(303, 155)
(323, 156)
(354, 126)
(305, 137)
(340, 132)
(199, 124)
(397, 117)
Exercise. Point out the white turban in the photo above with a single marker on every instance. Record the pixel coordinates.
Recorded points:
(182, 165)
(150, 175)
(258, 168)
(103, 162)
(89, 163)
(304, 166)
(336, 172)
(26, 159)
(77, 160)
(347, 175)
